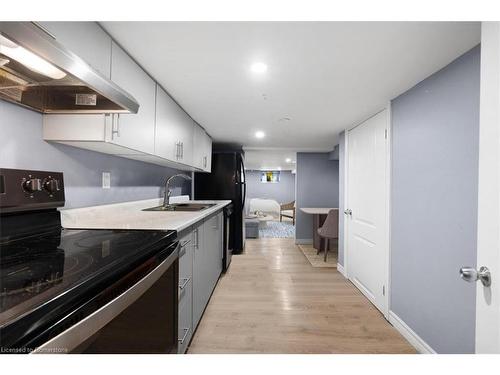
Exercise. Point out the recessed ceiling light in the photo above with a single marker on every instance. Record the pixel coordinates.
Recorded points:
(258, 67)
(288, 160)
(259, 134)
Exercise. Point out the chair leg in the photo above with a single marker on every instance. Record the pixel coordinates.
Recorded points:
(326, 247)
(320, 246)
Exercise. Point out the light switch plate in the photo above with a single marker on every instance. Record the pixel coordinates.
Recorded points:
(106, 180)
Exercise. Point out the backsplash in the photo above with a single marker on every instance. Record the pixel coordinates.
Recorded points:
(22, 146)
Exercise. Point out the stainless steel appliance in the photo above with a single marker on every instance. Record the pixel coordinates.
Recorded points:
(98, 291)
(38, 72)
(227, 181)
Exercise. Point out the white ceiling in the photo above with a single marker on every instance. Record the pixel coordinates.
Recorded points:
(324, 76)
(270, 160)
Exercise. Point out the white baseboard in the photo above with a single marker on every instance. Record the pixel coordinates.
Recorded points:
(341, 269)
(414, 339)
(303, 241)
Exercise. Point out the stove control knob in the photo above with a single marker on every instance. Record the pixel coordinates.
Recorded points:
(50, 185)
(32, 185)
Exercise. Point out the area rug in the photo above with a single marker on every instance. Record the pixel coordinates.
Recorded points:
(276, 229)
(317, 260)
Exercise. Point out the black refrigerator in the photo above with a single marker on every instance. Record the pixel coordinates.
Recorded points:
(226, 181)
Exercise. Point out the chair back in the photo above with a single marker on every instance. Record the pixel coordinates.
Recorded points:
(330, 228)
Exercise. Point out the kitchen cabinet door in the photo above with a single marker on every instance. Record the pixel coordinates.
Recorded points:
(199, 152)
(207, 147)
(86, 39)
(200, 297)
(202, 153)
(185, 325)
(135, 131)
(212, 241)
(174, 130)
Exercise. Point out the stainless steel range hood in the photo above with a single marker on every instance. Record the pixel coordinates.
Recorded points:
(38, 72)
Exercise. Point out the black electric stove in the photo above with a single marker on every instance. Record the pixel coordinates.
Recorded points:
(51, 277)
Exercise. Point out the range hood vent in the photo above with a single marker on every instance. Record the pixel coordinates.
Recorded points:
(38, 72)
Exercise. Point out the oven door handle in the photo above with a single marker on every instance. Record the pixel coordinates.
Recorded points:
(85, 328)
(186, 281)
(186, 331)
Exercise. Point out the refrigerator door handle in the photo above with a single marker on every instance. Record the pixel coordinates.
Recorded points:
(244, 194)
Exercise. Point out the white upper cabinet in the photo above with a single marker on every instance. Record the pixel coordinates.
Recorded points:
(207, 146)
(160, 133)
(135, 131)
(202, 155)
(86, 39)
(174, 130)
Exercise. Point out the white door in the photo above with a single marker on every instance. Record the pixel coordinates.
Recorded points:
(137, 130)
(174, 130)
(367, 252)
(488, 249)
(199, 148)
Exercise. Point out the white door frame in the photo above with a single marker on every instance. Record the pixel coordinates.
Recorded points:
(387, 202)
(488, 236)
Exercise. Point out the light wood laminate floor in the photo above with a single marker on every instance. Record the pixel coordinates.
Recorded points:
(273, 301)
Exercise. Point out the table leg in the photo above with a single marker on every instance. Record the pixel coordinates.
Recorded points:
(316, 237)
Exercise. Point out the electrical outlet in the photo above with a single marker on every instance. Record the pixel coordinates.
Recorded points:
(106, 180)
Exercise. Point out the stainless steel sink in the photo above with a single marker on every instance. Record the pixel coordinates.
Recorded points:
(182, 207)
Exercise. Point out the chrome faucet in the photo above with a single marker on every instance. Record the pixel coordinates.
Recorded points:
(166, 197)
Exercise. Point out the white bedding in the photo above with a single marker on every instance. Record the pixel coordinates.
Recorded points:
(267, 206)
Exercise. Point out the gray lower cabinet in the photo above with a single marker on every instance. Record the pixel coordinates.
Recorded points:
(212, 241)
(207, 264)
(185, 322)
(200, 265)
(199, 271)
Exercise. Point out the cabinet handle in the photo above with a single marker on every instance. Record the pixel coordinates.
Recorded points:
(181, 144)
(118, 125)
(115, 125)
(186, 281)
(186, 331)
(204, 162)
(177, 150)
(196, 243)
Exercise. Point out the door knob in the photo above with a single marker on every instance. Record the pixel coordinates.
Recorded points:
(470, 274)
(348, 212)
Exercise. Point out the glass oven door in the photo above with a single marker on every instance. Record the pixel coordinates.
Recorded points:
(147, 326)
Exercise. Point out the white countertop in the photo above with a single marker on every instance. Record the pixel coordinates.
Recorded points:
(317, 210)
(129, 215)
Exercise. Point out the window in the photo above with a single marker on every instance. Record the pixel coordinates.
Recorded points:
(270, 177)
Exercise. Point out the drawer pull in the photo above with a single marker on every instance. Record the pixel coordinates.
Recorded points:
(186, 331)
(186, 281)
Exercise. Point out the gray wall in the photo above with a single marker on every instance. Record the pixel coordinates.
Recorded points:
(341, 149)
(282, 192)
(434, 204)
(22, 146)
(317, 185)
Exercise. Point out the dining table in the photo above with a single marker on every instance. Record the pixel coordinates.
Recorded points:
(319, 215)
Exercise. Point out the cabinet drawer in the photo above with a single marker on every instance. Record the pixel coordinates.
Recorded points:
(185, 320)
(186, 257)
(185, 289)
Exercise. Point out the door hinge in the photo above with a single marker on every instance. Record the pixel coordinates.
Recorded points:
(383, 290)
(385, 133)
